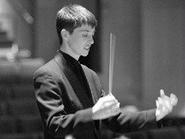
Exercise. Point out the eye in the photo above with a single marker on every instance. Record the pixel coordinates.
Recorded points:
(85, 35)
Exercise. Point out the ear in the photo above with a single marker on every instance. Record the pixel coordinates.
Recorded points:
(64, 34)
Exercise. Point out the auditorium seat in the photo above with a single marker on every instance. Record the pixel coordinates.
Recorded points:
(165, 133)
(171, 132)
(137, 135)
(19, 116)
(22, 136)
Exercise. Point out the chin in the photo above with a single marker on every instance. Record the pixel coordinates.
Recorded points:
(85, 54)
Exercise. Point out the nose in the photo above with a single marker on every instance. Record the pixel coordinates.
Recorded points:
(91, 40)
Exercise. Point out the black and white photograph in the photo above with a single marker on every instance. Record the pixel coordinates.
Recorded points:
(92, 69)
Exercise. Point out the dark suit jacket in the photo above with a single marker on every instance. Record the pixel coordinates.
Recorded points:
(63, 111)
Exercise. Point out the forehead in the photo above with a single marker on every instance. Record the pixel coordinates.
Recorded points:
(85, 28)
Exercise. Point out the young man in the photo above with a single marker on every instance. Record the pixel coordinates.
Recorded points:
(69, 95)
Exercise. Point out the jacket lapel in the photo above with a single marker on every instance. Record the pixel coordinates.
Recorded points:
(91, 85)
(72, 82)
(72, 95)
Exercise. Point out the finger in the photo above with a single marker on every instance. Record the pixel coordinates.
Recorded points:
(110, 93)
(113, 110)
(116, 111)
(118, 105)
(157, 103)
(168, 105)
(162, 92)
(112, 96)
(172, 95)
(109, 103)
(108, 98)
(160, 101)
(163, 96)
(173, 99)
(165, 104)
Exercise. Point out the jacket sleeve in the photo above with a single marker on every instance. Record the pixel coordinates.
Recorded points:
(128, 121)
(131, 121)
(56, 121)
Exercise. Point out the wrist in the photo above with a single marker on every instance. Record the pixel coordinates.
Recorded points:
(157, 114)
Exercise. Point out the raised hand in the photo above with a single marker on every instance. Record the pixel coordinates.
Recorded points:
(165, 104)
(106, 107)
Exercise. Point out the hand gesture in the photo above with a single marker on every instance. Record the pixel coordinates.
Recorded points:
(165, 104)
(106, 107)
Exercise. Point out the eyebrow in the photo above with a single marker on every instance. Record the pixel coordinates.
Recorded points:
(86, 30)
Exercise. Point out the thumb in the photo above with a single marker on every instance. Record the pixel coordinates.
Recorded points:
(162, 92)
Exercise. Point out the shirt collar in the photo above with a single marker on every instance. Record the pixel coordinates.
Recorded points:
(69, 59)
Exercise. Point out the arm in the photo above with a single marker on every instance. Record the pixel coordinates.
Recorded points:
(131, 121)
(125, 121)
(49, 99)
(53, 111)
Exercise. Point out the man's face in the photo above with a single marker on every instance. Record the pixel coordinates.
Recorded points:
(81, 40)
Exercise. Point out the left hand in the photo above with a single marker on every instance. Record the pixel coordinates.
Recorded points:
(165, 105)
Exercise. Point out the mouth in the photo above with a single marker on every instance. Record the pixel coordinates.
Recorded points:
(87, 48)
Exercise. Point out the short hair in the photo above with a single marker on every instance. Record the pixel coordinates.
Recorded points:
(73, 16)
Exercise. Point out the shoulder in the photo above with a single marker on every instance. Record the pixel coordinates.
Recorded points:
(50, 69)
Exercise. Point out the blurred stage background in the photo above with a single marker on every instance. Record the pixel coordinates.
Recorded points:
(149, 51)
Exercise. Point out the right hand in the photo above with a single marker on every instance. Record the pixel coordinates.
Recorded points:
(105, 107)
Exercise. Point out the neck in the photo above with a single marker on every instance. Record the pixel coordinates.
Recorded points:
(69, 51)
